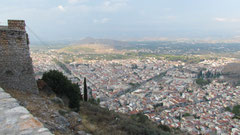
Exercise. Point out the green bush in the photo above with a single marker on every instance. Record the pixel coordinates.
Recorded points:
(236, 110)
(139, 117)
(93, 101)
(164, 128)
(63, 87)
(136, 128)
(202, 82)
(186, 115)
(228, 109)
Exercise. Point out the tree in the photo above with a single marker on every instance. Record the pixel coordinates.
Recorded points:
(208, 74)
(63, 87)
(202, 81)
(134, 66)
(200, 74)
(85, 89)
(236, 110)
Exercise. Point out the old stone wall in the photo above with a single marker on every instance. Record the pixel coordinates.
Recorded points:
(16, 70)
(17, 120)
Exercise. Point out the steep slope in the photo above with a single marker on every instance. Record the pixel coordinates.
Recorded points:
(60, 120)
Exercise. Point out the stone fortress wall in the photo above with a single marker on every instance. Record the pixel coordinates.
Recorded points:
(16, 70)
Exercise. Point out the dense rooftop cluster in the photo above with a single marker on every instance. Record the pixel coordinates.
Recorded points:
(163, 90)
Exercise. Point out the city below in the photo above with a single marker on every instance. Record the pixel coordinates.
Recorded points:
(191, 92)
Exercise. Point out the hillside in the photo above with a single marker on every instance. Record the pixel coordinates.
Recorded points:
(94, 46)
(231, 73)
(232, 68)
(109, 42)
(88, 49)
(60, 120)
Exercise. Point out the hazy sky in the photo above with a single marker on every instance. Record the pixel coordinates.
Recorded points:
(119, 19)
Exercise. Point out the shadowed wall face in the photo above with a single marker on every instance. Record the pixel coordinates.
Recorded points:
(16, 70)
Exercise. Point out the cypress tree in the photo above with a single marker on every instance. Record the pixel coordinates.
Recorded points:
(85, 90)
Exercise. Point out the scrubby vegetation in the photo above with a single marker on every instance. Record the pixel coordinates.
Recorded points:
(141, 55)
(205, 78)
(202, 82)
(164, 128)
(102, 121)
(235, 110)
(183, 58)
(208, 74)
(63, 87)
(186, 114)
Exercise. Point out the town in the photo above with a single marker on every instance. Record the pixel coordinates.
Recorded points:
(165, 91)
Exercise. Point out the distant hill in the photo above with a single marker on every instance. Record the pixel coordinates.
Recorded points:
(94, 46)
(231, 73)
(232, 68)
(109, 42)
(88, 49)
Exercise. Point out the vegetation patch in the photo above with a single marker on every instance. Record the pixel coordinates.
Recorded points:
(202, 82)
(235, 110)
(109, 122)
(63, 87)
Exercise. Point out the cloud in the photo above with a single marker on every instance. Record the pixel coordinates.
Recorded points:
(220, 19)
(170, 17)
(235, 20)
(232, 20)
(81, 8)
(102, 6)
(77, 1)
(113, 5)
(61, 8)
(167, 9)
(101, 21)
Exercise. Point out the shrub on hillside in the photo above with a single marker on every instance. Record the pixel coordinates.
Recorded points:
(139, 117)
(202, 82)
(63, 87)
(164, 128)
(133, 127)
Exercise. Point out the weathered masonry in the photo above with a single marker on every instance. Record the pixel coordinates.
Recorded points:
(17, 120)
(16, 70)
